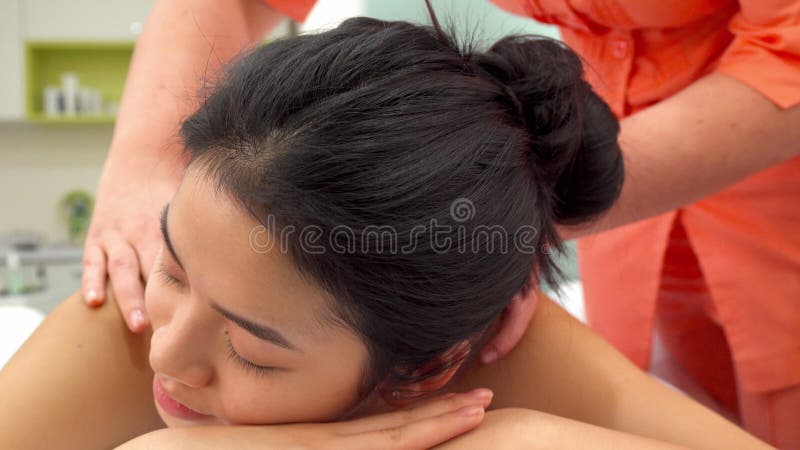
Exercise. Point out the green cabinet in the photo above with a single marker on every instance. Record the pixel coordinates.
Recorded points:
(101, 66)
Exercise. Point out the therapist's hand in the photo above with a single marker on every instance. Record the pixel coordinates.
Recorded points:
(514, 322)
(182, 40)
(123, 237)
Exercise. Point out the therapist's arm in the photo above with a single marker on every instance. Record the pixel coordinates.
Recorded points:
(714, 133)
(182, 47)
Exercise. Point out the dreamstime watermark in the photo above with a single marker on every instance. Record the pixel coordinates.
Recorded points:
(388, 240)
(462, 210)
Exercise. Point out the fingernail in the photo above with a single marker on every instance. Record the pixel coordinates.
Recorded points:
(91, 296)
(481, 394)
(137, 319)
(470, 411)
(489, 355)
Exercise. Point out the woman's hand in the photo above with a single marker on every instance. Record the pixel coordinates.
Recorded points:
(425, 425)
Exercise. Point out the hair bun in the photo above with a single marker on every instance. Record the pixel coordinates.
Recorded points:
(573, 149)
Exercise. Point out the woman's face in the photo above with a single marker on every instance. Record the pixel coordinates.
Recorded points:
(238, 334)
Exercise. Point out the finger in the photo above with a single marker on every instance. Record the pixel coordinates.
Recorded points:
(513, 325)
(123, 269)
(430, 408)
(146, 252)
(93, 274)
(421, 434)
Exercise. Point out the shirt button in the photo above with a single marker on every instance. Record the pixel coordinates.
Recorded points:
(620, 47)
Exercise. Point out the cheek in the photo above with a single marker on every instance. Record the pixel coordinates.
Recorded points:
(158, 301)
(250, 400)
(318, 392)
(284, 398)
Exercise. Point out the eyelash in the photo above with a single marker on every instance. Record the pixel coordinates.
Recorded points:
(168, 279)
(245, 364)
(232, 355)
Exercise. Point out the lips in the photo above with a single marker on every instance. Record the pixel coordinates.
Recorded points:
(172, 406)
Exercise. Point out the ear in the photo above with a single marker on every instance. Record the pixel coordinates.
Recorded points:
(513, 323)
(401, 396)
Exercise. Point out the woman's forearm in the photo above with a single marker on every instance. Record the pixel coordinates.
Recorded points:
(505, 429)
(705, 138)
(182, 47)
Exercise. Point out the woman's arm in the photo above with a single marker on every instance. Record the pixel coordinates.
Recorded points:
(563, 368)
(423, 426)
(81, 381)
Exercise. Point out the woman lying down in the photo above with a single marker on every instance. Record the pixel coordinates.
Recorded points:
(359, 209)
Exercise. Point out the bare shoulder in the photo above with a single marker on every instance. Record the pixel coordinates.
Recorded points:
(548, 368)
(82, 380)
(516, 428)
(564, 369)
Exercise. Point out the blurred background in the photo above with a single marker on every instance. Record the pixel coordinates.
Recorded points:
(64, 65)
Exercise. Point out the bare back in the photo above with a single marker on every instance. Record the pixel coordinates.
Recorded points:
(81, 381)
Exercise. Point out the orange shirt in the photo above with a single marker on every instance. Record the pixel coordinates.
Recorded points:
(747, 237)
(296, 10)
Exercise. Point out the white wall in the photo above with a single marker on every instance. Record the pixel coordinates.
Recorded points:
(38, 165)
(328, 14)
(11, 97)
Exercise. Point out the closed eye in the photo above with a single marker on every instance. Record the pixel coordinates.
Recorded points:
(166, 277)
(245, 364)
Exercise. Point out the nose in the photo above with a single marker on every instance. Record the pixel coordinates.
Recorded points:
(186, 381)
(193, 376)
(180, 350)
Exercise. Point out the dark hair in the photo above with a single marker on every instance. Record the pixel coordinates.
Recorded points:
(392, 124)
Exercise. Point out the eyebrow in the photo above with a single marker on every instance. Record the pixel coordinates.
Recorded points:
(262, 332)
(165, 235)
